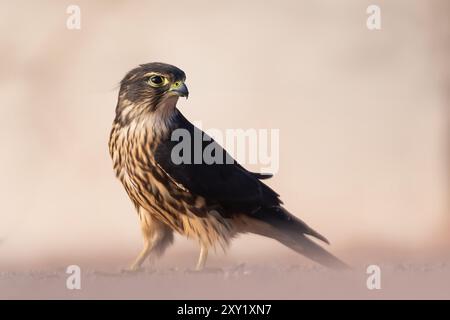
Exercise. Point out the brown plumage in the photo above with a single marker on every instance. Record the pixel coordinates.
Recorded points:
(211, 203)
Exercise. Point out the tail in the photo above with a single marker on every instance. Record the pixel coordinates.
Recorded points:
(313, 251)
(277, 223)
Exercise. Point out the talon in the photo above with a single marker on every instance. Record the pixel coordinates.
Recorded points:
(133, 270)
(205, 271)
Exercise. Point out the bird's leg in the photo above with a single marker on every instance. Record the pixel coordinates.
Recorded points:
(157, 237)
(202, 258)
(142, 255)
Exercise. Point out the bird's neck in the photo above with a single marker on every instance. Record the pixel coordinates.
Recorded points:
(158, 120)
(162, 119)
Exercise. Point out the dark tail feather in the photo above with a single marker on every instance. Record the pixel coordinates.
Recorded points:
(291, 231)
(312, 250)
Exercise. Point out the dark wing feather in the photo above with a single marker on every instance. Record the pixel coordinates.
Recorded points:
(262, 176)
(229, 184)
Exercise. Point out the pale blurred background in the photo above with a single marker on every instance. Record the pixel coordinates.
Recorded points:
(363, 118)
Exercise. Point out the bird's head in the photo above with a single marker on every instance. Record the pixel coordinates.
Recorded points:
(150, 88)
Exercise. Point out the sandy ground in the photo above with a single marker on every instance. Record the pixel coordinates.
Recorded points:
(277, 280)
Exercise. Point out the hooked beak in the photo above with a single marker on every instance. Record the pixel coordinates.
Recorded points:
(180, 89)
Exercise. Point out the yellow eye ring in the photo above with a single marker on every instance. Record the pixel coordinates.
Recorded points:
(157, 80)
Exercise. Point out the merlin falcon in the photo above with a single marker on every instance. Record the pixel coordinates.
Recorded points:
(209, 202)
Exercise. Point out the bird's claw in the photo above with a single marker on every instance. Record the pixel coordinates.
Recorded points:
(205, 271)
(132, 270)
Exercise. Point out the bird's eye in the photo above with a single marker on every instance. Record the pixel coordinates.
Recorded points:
(157, 81)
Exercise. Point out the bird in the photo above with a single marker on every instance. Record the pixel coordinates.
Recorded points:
(211, 203)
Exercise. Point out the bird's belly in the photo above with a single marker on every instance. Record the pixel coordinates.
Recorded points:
(142, 188)
(185, 213)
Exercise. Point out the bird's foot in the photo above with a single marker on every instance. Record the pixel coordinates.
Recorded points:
(132, 270)
(205, 271)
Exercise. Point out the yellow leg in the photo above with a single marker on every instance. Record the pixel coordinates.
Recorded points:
(202, 258)
(142, 256)
(157, 237)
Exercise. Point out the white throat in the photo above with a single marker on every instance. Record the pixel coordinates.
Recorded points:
(162, 118)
